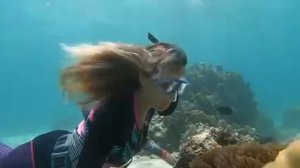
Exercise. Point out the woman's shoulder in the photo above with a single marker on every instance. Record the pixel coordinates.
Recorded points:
(114, 109)
(123, 102)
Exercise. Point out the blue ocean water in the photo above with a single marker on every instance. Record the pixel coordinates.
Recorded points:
(257, 38)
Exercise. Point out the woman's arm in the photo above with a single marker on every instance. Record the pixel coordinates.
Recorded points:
(152, 147)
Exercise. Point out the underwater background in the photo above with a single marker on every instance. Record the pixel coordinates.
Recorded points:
(258, 39)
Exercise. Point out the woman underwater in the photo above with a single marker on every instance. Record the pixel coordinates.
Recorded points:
(129, 83)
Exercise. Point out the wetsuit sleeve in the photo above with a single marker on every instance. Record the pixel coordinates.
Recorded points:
(102, 132)
(152, 147)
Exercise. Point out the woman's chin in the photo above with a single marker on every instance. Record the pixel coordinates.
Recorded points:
(163, 107)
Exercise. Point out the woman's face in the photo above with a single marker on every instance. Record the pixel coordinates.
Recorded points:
(168, 71)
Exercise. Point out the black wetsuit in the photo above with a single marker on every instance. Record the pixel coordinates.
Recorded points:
(111, 136)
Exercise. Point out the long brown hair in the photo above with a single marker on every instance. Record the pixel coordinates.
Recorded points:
(107, 69)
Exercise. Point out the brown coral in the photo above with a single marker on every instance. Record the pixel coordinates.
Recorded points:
(287, 158)
(248, 155)
(207, 138)
(197, 145)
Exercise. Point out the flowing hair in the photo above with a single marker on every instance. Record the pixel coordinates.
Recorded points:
(103, 70)
(108, 69)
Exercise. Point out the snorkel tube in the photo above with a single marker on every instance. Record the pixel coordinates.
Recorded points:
(152, 38)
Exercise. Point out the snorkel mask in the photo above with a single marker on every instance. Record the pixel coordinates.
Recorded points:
(170, 86)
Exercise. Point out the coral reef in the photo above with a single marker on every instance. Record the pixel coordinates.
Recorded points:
(208, 138)
(210, 88)
(247, 155)
(170, 132)
(287, 158)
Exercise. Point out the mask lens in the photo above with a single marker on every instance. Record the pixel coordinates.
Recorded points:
(169, 86)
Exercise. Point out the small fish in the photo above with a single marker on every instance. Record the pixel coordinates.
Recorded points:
(224, 110)
(152, 38)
